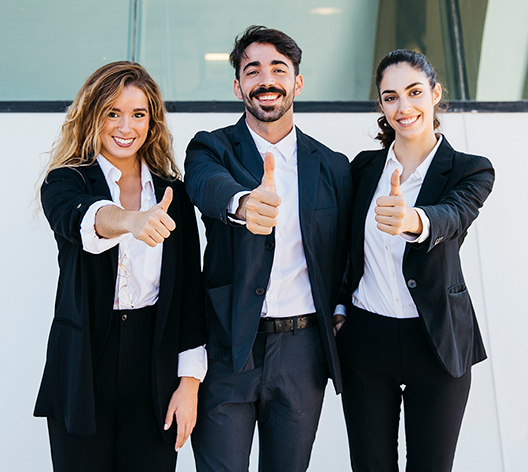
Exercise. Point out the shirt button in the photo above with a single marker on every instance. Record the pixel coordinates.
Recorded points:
(411, 283)
(124, 317)
(79, 206)
(260, 291)
(270, 246)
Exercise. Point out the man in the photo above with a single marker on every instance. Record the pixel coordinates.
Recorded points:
(275, 204)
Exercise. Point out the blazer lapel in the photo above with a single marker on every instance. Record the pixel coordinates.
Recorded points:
(308, 170)
(168, 259)
(246, 151)
(363, 198)
(436, 178)
(100, 187)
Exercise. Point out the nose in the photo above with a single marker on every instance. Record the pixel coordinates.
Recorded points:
(267, 79)
(404, 104)
(124, 124)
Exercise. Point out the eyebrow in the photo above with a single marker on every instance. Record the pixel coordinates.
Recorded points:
(406, 88)
(257, 64)
(135, 109)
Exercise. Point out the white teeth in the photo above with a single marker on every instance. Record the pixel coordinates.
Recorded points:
(267, 97)
(408, 121)
(123, 141)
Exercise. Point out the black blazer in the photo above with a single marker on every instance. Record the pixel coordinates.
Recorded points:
(237, 263)
(455, 187)
(85, 296)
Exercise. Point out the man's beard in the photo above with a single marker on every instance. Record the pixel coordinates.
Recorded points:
(271, 113)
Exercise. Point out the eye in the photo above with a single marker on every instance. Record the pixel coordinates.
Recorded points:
(112, 114)
(251, 72)
(389, 98)
(415, 92)
(139, 114)
(280, 71)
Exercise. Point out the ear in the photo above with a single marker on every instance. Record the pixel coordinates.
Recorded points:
(299, 82)
(437, 94)
(236, 89)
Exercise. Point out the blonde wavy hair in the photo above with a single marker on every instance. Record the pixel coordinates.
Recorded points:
(79, 141)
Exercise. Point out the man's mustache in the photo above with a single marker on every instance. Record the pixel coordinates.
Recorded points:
(263, 90)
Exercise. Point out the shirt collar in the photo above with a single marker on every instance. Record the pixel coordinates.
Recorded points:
(113, 174)
(286, 146)
(422, 169)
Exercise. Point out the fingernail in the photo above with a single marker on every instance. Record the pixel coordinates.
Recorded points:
(166, 427)
(177, 449)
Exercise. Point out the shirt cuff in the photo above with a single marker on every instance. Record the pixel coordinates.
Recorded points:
(426, 224)
(91, 241)
(193, 363)
(340, 310)
(232, 207)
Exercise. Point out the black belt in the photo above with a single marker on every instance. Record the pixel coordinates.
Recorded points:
(292, 323)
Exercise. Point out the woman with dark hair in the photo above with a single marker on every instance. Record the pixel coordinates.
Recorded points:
(410, 332)
(125, 353)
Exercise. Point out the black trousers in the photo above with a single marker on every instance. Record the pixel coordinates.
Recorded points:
(383, 361)
(128, 438)
(283, 395)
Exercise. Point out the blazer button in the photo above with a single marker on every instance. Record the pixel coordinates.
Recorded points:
(270, 246)
(411, 283)
(124, 317)
(260, 291)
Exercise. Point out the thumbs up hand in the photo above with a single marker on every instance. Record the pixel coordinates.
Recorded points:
(261, 207)
(268, 180)
(392, 213)
(154, 225)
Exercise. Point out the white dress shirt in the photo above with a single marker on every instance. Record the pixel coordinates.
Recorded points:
(139, 265)
(383, 289)
(289, 292)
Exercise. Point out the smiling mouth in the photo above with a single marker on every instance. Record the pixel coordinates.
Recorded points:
(123, 142)
(268, 97)
(408, 121)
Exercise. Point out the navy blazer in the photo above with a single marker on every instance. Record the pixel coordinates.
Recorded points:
(455, 187)
(237, 263)
(85, 297)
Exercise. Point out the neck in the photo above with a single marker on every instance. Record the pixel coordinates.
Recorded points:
(128, 167)
(273, 131)
(412, 152)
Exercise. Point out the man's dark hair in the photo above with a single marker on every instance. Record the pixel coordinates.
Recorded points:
(260, 34)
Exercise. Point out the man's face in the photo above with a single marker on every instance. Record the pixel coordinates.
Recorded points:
(267, 83)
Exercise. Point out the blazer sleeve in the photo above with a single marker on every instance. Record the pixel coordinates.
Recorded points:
(192, 318)
(208, 181)
(454, 213)
(65, 200)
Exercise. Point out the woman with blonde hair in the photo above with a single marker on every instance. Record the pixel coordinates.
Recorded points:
(126, 348)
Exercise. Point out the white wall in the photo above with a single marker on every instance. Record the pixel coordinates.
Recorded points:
(494, 435)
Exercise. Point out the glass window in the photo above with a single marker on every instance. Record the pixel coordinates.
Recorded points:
(479, 47)
(49, 48)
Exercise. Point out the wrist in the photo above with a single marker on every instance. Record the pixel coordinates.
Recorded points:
(414, 225)
(241, 210)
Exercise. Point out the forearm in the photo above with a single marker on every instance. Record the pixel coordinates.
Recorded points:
(112, 221)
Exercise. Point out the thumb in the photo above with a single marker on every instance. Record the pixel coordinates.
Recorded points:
(166, 200)
(268, 180)
(395, 184)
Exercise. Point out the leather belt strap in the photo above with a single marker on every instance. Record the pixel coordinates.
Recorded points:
(292, 323)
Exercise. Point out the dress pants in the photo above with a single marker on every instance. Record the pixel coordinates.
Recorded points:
(384, 360)
(283, 394)
(128, 438)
